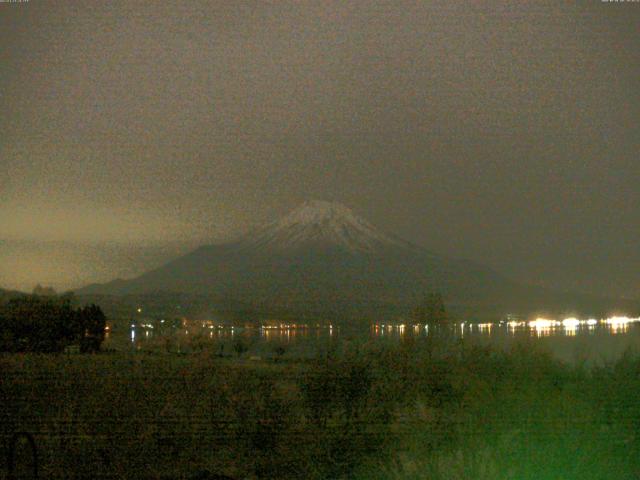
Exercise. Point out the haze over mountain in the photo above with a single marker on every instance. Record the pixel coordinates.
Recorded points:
(504, 133)
(323, 259)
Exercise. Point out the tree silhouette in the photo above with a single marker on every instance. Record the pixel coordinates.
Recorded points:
(44, 291)
(431, 310)
(34, 323)
(93, 323)
(240, 347)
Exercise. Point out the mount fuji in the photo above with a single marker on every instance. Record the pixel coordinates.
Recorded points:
(323, 260)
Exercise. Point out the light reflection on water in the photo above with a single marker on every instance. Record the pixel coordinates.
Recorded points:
(539, 327)
(595, 335)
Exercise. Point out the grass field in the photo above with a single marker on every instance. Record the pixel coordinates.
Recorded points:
(417, 410)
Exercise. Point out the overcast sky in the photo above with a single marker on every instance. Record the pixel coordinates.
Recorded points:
(505, 132)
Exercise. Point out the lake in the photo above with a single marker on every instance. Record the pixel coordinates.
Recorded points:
(570, 339)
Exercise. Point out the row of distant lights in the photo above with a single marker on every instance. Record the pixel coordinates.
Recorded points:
(571, 322)
(282, 326)
(287, 326)
(538, 323)
(142, 325)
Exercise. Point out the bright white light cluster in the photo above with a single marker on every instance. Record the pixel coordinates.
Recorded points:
(620, 320)
(570, 322)
(543, 323)
(570, 325)
(573, 322)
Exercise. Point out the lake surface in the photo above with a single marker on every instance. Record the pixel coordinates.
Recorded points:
(570, 339)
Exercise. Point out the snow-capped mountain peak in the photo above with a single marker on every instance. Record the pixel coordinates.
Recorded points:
(318, 211)
(321, 224)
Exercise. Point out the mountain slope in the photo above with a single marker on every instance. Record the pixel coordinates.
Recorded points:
(322, 258)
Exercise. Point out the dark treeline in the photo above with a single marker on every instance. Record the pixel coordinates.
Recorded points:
(49, 324)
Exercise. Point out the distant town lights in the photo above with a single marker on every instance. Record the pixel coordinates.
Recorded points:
(620, 320)
(542, 323)
(570, 322)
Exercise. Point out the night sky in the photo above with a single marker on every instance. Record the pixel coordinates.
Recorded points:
(503, 132)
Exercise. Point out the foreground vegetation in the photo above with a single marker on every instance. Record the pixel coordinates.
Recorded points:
(421, 409)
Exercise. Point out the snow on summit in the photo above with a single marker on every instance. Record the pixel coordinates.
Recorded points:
(322, 224)
(319, 211)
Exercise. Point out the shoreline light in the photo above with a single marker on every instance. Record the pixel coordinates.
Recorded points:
(542, 323)
(571, 322)
(620, 320)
